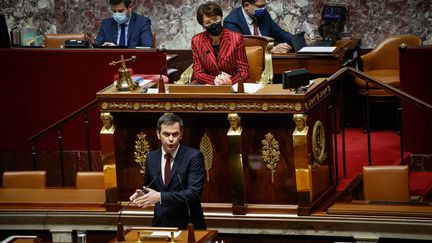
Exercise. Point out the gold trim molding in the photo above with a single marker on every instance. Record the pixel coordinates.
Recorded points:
(201, 106)
(142, 148)
(316, 98)
(270, 153)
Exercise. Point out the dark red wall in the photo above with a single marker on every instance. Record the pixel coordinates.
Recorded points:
(41, 86)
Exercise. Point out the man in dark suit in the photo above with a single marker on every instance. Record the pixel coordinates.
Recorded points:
(173, 174)
(252, 18)
(124, 28)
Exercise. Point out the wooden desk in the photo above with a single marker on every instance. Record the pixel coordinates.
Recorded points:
(68, 199)
(316, 63)
(265, 115)
(201, 236)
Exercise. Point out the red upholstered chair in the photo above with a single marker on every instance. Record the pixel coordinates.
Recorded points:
(24, 179)
(90, 180)
(386, 183)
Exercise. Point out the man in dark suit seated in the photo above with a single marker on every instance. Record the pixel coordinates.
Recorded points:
(174, 174)
(252, 18)
(124, 28)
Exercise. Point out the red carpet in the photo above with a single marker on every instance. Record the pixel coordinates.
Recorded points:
(385, 147)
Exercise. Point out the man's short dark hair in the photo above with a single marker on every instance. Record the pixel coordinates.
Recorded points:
(115, 2)
(169, 119)
(248, 1)
(209, 9)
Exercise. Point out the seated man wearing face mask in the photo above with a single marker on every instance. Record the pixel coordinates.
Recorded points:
(125, 28)
(252, 18)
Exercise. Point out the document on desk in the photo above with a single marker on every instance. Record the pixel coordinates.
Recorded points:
(165, 234)
(249, 88)
(317, 49)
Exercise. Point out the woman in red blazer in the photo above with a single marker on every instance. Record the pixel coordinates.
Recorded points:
(219, 55)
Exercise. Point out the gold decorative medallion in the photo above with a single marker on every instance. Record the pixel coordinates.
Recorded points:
(104, 106)
(270, 153)
(142, 148)
(207, 149)
(318, 144)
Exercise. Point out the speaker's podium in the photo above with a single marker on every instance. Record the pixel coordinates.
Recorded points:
(150, 234)
(265, 152)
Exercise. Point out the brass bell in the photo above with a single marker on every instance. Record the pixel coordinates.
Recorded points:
(124, 82)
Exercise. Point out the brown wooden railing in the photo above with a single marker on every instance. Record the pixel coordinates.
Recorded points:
(342, 73)
(58, 126)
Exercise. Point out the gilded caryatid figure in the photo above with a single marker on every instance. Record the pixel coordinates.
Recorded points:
(300, 122)
(235, 126)
(108, 123)
(300, 142)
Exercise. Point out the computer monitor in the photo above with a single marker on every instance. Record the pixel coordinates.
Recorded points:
(5, 40)
(335, 12)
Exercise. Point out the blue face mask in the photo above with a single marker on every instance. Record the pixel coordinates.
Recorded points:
(120, 18)
(259, 12)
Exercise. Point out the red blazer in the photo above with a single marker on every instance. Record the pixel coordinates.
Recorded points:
(232, 57)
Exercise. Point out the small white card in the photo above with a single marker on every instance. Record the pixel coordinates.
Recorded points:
(165, 233)
(317, 49)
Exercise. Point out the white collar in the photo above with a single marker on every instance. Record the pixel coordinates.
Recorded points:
(247, 17)
(173, 155)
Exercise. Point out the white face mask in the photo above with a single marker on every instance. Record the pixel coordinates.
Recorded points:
(120, 18)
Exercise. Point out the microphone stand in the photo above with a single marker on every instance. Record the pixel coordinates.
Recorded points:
(161, 83)
(240, 85)
(120, 228)
(190, 226)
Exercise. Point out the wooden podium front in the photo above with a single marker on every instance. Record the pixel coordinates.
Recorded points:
(266, 166)
(201, 236)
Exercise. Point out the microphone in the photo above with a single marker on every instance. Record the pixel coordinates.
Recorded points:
(120, 228)
(161, 83)
(240, 85)
(190, 227)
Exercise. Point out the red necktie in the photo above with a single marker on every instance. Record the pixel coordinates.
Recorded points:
(255, 27)
(167, 168)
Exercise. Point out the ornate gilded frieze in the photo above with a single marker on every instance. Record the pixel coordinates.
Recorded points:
(318, 144)
(142, 148)
(201, 106)
(270, 153)
(317, 97)
(206, 148)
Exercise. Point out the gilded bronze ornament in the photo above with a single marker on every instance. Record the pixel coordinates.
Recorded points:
(270, 153)
(318, 144)
(108, 123)
(207, 149)
(124, 82)
(199, 106)
(142, 148)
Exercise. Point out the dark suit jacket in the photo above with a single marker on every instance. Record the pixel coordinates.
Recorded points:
(232, 57)
(172, 212)
(236, 21)
(139, 32)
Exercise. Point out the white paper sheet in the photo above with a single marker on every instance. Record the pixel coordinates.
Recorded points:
(249, 88)
(317, 49)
